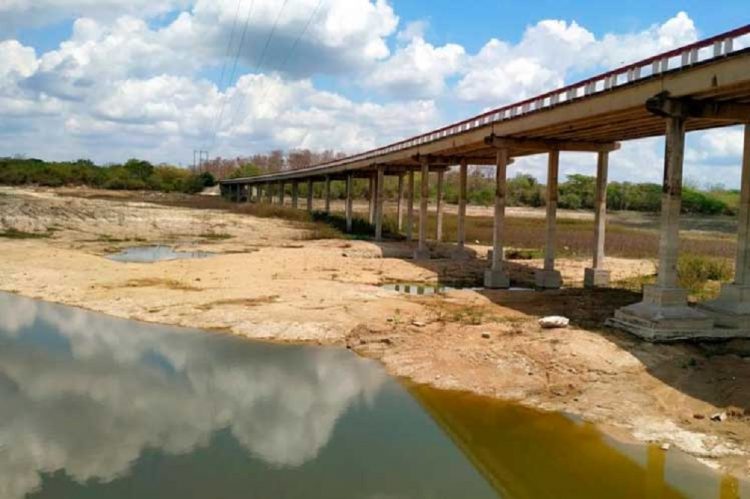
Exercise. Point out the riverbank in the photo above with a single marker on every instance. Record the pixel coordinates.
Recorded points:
(274, 280)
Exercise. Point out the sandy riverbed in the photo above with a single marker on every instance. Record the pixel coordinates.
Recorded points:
(270, 281)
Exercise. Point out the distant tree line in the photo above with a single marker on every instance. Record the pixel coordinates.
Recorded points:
(134, 174)
(576, 192)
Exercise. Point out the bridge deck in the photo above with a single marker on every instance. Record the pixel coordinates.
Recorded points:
(607, 108)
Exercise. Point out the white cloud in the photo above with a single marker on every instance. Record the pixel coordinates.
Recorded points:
(417, 69)
(550, 51)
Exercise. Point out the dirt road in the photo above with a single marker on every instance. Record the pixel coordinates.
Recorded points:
(269, 280)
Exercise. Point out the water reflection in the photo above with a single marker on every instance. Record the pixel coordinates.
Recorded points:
(96, 407)
(115, 390)
(527, 454)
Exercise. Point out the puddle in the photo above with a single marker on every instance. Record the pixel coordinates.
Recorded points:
(435, 289)
(99, 407)
(148, 254)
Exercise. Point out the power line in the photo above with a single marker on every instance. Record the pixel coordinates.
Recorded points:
(230, 43)
(234, 71)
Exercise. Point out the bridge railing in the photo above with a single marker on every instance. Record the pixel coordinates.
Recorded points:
(704, 50)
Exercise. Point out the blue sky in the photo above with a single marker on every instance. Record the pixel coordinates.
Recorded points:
(121, 78)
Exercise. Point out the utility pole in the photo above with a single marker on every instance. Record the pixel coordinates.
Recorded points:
(199, 157)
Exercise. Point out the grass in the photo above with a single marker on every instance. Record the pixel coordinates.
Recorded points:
(216, 236)
(19, 234)
(240, 302)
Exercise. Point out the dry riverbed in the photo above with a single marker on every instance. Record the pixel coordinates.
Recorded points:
(269, 280)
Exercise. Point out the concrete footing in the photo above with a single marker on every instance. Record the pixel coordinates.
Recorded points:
(460, 254)
(731, 309)
(496, 279)
(422, 254)
(596, 278)
(548, 279)
(664, 315)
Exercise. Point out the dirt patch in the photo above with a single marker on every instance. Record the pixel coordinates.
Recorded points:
(267, 281)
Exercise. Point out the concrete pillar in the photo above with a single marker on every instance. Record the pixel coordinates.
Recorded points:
(399, 202)
(460, 252)
(597, 276)
(371, 194)
(295, 194)
(496, 277)
(732, 307)
(328, 194)
(269, 193)
(379, 195)
(410, 207)
(309, 195)
(439, 206)
(423, 252)
(664, 314)
(549, 278)
(281, 193)
(349, 195)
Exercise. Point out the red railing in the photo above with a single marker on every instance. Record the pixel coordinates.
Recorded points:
(694, 53)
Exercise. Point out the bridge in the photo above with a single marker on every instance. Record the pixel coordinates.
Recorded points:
(696, 87)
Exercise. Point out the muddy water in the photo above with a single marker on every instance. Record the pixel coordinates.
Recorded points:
(97, 407)
(147, 254)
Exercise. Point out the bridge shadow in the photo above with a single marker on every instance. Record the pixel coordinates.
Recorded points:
(707, 371)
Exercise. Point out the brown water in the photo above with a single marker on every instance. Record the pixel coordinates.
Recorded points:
(97, 407)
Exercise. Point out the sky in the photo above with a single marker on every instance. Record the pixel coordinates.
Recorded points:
(155, 79)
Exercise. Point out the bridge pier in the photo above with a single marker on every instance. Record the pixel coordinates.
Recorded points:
(269, 193)
(348, 202)
(379, 188)
(597, 276)
(732, 307)
(281, 193)
(496, 277)
(410, 206)
(439, 206)
(460, 252)
(423, 252)
(548, 277)
(309, 195)
(328, 195)
(664, 314)
(399, 202)
(295, 194)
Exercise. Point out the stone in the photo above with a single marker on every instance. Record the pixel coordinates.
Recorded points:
(418, 323)
(485, 335)
(554, 321)
(665, 446)
(719, 417)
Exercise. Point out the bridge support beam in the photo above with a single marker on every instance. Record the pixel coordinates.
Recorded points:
(597, 276)
(379, 188)
(269, 193)
(548, 277)
(439, 206)
(423, 252)
(496, 276)
(309, 195)
(399, 202)
(410, 207)
(281, 193)
(664, 314)
(348, 202)
(295, 194)
(328, 194)
(460, 252)
(732, 308)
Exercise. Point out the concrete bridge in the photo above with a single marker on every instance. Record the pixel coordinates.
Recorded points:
(700, 86)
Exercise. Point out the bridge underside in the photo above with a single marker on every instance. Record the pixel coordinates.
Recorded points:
(593, 117)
